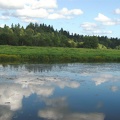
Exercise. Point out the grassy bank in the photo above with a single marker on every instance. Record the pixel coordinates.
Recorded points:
(56, 54)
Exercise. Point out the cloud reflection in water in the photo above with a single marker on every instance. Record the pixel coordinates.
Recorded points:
(20, 83)
(5, 113)
(61, 111)
(102, 78)
(14, 88)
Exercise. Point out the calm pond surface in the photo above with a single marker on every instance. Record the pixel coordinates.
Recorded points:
(60, 91)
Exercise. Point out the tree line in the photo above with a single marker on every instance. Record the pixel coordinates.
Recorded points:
(45, 35)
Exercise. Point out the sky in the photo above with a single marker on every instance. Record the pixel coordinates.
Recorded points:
(84, 17)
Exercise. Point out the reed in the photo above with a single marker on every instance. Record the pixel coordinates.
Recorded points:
(57, 54)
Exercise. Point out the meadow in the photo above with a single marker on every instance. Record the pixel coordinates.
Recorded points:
(56, 54)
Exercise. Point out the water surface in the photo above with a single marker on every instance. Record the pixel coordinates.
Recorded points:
(60, 91)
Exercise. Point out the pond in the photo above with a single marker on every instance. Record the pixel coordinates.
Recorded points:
(79, 91)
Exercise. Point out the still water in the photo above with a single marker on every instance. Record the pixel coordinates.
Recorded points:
(60, 91)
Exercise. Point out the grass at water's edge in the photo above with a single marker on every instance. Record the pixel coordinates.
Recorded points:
(56, 54)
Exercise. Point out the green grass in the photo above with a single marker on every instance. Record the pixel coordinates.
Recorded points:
(56, 54)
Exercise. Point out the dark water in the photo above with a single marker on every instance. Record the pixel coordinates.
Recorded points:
(60, 92)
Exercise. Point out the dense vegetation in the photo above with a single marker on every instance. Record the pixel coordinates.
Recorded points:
(56, 54)
(43, 35)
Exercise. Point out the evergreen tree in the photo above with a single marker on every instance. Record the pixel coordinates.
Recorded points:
(45, 35)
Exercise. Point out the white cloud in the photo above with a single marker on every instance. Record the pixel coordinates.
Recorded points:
(87, 26)
(4, 17)
(99, 28)
(1, 25)
(55, 16)
(65, 14)
(94, 29)
(28, 20)
(35, 4)
(28, 12)
(76, 12)
(48, 14)
(65, 11)
(104, 20)
(44, 4)
(117, 11)
(11, 4)
(98, 32)
(51, 10)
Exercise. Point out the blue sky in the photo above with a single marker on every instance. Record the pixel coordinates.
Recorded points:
(87, 17)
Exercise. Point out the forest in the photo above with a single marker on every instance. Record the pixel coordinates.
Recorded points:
(45, 35)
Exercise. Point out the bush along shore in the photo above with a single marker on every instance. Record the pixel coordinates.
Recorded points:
(30, 54)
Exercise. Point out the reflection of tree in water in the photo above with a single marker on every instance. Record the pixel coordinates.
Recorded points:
(80, 68)
(37, 67)
(43, 67)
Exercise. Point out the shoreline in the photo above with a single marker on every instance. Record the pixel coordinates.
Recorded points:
(31, 54)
